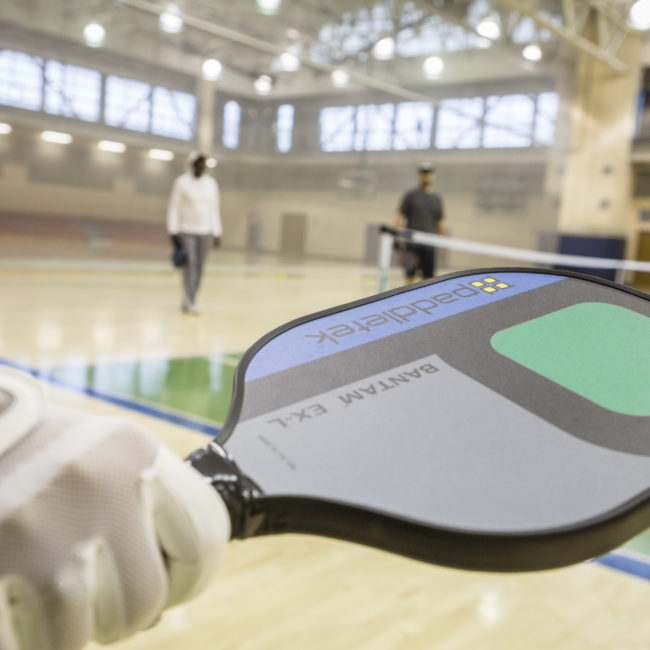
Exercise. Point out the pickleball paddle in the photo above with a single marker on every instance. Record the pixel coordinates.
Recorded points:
(494, 419)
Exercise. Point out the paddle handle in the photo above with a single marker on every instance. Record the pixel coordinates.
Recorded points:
(237, 490)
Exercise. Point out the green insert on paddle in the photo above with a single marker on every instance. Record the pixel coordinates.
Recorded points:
(598, 350)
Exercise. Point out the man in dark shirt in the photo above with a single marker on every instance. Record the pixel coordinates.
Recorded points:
(421, 209)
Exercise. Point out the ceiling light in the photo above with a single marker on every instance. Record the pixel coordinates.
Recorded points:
(112, 146)
(56, 136)
(340, 78)
(161, 154)
(289, 62)
(484, 43)
(211, 69)
(433, 67)
(211, 163)
(532, 52)
(489, 28)
(639, 17)
(5, 128)
(384, 49)
(170, 21)
(268, 7)
(94, 34)
(263, 84)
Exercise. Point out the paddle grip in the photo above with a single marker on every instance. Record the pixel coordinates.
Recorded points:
(235, 488)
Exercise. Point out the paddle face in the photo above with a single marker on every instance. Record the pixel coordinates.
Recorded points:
(495, 419)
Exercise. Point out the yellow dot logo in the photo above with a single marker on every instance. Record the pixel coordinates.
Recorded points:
(490, 285)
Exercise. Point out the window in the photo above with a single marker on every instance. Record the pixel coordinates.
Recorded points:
(134, 105)
(462, 123)
(547, 104)
(21, 80)
(416, 31)
(374, 127)
(368, 127)
(459, 123)
(72, 91)
(173, 113)
(407, 43)
(284, 127)
(231, 120)
(413, 121)
(127, 103)
(525, 31)
(337, 128)
(508, 121)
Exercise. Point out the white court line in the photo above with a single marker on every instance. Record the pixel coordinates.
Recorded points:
(126, 266)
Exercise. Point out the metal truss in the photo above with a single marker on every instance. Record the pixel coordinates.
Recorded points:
(597, 27)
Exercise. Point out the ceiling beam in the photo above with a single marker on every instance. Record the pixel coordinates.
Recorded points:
(610, 34)
(498, 48)
(273, 49)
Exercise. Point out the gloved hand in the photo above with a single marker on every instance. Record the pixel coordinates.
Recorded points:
(179, 256)
(101, 527)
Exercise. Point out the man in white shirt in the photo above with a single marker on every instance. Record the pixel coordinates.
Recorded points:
(193, 219)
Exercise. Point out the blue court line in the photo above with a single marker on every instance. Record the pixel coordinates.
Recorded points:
(181, 420)
(624, 563)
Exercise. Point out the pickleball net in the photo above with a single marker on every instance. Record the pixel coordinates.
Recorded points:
(581, 263)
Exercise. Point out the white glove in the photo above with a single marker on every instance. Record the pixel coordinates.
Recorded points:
(101, 527)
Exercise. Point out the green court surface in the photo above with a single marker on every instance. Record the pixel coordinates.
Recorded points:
(640, 545)
(199, 388)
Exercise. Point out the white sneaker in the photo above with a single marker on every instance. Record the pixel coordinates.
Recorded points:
(194, 310)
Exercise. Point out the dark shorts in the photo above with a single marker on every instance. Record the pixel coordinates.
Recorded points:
(420, 259)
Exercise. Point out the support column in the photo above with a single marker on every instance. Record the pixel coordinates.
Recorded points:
(596, 192)
(206, 96)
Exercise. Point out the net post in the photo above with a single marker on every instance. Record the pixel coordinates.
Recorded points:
(385, 254)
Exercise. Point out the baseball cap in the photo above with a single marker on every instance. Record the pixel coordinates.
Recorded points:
(194, 156)
(426, 166)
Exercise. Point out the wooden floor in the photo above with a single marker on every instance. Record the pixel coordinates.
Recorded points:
(298, 592)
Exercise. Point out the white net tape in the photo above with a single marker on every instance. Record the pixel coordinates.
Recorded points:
(494, 250)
